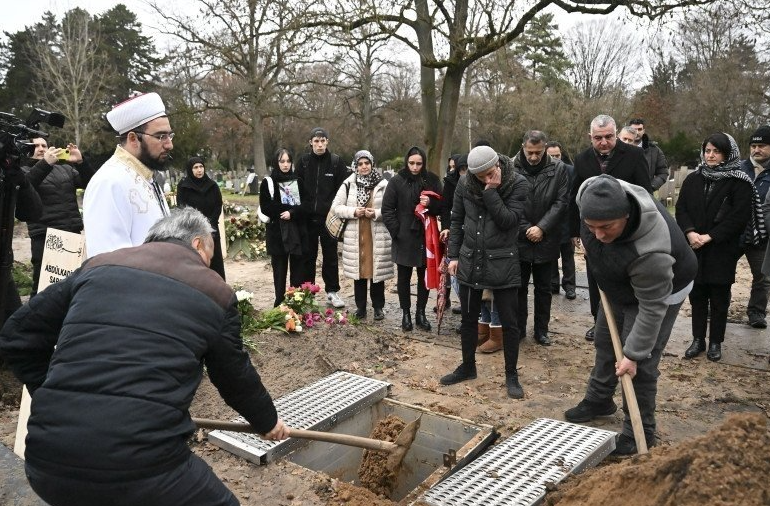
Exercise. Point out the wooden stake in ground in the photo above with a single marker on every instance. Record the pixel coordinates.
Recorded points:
(625, 380)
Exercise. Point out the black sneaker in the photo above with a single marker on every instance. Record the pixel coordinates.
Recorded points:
(460, 374)
(513, 387)
(757, 320)
(626, 445)
(570, 293)
(590, 333)
(586, 411)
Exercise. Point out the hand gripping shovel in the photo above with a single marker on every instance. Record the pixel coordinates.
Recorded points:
(625, 380)
(396, 449)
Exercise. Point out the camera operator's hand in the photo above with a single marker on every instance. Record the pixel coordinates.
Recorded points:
(75, 155)
(51, 155)
(15, 177)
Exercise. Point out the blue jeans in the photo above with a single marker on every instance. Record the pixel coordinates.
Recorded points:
(489, 313)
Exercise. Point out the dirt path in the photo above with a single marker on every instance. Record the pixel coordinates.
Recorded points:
(693, 397)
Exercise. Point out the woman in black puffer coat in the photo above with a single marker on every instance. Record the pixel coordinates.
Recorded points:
(200, 192)
(407, 231)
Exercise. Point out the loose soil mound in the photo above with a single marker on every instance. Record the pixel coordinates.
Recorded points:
(374, 473)
(728, 466)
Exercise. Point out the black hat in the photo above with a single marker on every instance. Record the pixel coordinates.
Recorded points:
(603, 198)
(761, 136)
(319, 132)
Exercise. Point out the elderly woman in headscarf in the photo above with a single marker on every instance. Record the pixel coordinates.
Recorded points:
(366, 242)
(199, 191)
(716, 204)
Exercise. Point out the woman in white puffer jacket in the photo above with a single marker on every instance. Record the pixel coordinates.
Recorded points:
(366, 256)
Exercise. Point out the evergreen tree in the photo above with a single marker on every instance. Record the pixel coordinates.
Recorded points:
(540, 50)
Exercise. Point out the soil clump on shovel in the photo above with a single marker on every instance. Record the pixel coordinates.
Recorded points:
(728, 466)
(379, 471)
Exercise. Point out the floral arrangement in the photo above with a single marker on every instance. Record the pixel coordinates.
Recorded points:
(249, 321)
(229, 208)
(299, 311)
(245, 234)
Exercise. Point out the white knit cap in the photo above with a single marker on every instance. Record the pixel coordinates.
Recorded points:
(481, 158)
(136, 111)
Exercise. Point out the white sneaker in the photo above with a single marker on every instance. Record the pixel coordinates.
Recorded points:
(335, 300)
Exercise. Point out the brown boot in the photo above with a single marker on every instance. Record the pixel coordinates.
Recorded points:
(495, 342)
(483, 333)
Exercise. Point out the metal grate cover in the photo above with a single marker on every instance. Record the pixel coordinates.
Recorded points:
(515, 472)
(317, 406)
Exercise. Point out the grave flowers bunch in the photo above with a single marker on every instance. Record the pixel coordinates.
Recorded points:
(302, 300)
(333, 317)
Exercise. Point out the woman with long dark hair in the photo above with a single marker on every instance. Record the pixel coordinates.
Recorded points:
(407, 232)
(715, 205)
(199, 191)
(280, 196)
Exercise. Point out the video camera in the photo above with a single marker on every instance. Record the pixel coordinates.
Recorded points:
(15, 134)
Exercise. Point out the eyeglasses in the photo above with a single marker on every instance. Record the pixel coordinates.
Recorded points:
(161, 137)
(599, 138)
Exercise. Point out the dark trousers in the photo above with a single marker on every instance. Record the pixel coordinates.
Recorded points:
(541, 276)
(593, 292)
(376, 291)
(217, 261)
(281, 265)
(567, 252)
(709, 310)
(316, 230)
(506, 301)
(404, 286)
(760, 284)
(38, 244)
(192, 484)
(603, 381)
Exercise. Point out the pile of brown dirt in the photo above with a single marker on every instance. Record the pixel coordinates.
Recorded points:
(728, 466)
(374, 473)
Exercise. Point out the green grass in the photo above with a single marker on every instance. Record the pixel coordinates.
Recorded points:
(22, 276)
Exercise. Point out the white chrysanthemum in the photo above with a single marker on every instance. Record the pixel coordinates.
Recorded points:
(243, 295)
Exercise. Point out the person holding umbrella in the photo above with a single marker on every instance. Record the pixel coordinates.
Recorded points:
(483, 253)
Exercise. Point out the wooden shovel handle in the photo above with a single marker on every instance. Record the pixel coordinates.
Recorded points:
(625, 380)
(329, 437)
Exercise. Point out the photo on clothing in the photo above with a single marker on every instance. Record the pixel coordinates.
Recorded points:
(289, 193)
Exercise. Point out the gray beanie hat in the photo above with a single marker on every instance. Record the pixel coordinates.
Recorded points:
(363, 154)
(481, 158)
(603, 198)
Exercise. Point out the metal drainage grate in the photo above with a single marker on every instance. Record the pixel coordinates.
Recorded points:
(516, 471)
(317, 406)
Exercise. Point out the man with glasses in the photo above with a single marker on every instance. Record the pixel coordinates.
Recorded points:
(123, 200)
(605, 156)
(656, 160)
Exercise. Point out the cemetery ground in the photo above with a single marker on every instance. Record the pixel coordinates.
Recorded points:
(694, 395)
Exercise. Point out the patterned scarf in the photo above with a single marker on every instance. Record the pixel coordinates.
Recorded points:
(364, 185)
(756, 232)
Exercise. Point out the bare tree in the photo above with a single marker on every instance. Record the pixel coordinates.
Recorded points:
(70, 74)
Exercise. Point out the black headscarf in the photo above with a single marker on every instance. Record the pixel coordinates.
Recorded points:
(197, 181)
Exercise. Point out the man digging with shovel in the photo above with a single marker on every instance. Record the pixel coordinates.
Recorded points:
(643, 263)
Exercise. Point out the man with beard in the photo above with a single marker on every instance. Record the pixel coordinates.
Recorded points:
(123, 200)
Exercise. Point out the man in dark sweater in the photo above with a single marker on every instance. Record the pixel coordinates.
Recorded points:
(642, 261)
(322, 173)
(112, 372)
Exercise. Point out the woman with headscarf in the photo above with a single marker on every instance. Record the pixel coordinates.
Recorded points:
(407, 231)
(715, 205)
(199, 191)
(366, 242)
(280, 197)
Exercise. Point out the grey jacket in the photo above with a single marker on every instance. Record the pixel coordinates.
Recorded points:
(656, 162)
(645, 265)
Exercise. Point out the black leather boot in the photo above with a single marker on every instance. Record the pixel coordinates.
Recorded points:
(715, 352)
(420, 319)
(697, 347)
(406, 320)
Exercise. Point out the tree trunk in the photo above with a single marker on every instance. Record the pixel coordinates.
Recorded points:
(423, 27)
(258, 143)
(450, 97)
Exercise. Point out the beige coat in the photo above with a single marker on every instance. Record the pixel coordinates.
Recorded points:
(344, 206)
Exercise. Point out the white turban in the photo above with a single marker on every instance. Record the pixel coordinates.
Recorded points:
(135, 112)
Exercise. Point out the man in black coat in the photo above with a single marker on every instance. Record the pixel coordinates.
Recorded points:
(322, 173)
(605, 156)
(112, 357)
(57, 185)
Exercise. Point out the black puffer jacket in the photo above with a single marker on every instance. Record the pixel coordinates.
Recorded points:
(406, 230)
(133, 330)
(57, 185)
(322, 176)
(546, 207)
(484, 230)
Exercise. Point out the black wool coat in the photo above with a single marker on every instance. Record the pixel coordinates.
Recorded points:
(406, 230)
(723, 214)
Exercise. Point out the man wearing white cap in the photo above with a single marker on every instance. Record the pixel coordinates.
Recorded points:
(122, 201)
